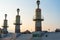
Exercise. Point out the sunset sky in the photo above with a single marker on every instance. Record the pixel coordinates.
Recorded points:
(50, 12)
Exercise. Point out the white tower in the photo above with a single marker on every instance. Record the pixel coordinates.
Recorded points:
(38, 19)
(5, 25)
(17, 24)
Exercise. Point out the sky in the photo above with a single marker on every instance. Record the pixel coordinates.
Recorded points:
(50, 12)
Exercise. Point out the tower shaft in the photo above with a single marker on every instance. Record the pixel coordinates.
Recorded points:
(17, 24)
(38, 26)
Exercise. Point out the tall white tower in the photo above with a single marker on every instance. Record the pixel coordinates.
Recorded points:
(17, 24)
(5, 25)
(38, 19)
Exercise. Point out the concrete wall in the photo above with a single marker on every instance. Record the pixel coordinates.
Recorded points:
(51, 36)
(45, 36)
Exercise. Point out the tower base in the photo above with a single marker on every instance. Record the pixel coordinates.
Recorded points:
(38, 29)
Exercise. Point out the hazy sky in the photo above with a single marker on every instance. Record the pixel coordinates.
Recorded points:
(50, 12)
